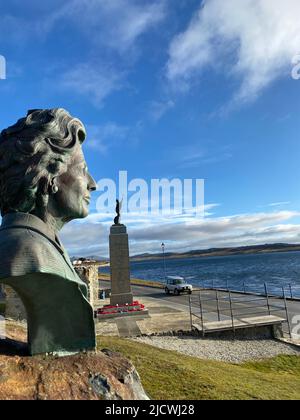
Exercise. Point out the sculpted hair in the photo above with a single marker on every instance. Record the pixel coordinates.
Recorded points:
(32, 152)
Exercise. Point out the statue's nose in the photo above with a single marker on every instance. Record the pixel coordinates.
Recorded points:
(92, 186)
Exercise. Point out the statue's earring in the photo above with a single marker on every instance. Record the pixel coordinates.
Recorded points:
(54, 189)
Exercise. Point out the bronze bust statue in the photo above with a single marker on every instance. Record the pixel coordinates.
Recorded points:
(44, 184)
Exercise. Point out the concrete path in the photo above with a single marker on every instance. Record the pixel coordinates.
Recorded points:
(128, 327)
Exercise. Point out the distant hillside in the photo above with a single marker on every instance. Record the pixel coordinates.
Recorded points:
(212, 252)
(90, 257)
(218, 252)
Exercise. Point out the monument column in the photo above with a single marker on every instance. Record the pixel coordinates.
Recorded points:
(121, 293)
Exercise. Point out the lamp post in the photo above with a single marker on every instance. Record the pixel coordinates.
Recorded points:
(163, 250)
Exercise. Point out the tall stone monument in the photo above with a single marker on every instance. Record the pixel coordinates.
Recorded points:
(121, 293)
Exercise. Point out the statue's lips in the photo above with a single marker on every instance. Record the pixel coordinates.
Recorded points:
(87, 199)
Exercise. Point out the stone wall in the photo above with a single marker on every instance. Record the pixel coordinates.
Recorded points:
(14, 308)
(88, 272)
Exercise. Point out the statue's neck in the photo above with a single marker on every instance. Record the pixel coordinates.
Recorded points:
(53, 223)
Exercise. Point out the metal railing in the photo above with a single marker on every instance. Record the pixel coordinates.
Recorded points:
(290, 291)
(218, 306)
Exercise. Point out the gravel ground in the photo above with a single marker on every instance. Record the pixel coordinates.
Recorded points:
(237, 351)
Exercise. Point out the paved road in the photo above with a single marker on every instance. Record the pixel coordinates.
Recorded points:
(241, 301)
(243, 305)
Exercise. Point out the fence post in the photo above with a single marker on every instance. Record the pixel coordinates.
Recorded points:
(201, 313)
(191, 314)
(218, 306)
(291, 290)
(231, 312)
(267, 294)
(287, 312)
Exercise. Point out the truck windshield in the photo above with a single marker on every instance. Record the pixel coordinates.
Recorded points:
(179, 281)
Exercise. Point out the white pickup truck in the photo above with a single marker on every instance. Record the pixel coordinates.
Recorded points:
(178, 285)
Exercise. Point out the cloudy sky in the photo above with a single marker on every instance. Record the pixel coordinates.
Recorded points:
(170, 88)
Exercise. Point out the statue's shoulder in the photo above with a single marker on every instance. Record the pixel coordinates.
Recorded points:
(24, 251)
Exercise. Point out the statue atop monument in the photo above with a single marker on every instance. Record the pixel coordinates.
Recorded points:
(44, 184)
(118, 211)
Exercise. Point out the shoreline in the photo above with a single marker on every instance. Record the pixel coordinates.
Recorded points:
(216, 254)
(134, 282)
(159, 285)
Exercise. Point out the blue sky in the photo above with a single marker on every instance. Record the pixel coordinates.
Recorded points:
(169, 88)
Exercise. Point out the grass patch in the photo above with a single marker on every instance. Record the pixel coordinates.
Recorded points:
(166, 375)
(135, 282)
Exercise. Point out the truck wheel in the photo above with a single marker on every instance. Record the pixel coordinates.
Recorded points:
(167, 291)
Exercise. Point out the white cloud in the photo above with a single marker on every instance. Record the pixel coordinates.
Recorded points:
(183, 233)
(107, 29)
(92, 80)
(253, 40)
(85, 238)
(130, 20)
(198, 154)
(103, 137)
(117, 24)
(110, 27)
(279, 204)
(159, 109)
(214, 227)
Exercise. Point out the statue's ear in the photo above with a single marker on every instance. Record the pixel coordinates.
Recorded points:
(43, 186)
(43, 193)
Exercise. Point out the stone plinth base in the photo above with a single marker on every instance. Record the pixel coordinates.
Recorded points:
(121, 293)
(93, 376)
(121, 298)
(144, 313)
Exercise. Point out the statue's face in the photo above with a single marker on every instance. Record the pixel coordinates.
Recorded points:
(74, 189)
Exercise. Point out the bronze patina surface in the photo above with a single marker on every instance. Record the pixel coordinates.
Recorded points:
(44, 184)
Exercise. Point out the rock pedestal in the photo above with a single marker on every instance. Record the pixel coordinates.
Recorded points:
(93, 376)
(121, 293)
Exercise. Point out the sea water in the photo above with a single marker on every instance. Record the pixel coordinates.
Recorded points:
(237, 272)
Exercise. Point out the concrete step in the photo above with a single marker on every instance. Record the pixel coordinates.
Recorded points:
(239, 323)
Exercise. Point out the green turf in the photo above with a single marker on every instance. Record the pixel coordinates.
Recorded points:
(170, 375)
